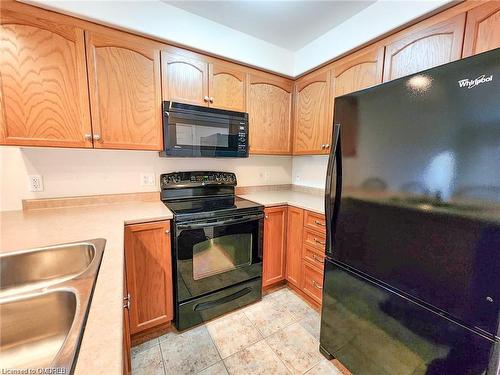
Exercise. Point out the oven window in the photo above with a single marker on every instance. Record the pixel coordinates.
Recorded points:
(221, 254)
(197, 135)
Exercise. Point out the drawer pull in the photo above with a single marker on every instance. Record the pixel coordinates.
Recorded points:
(318, 241)
(316, 285)
(321, 224)
(318, 259)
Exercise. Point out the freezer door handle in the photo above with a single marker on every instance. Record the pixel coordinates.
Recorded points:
(333, 189)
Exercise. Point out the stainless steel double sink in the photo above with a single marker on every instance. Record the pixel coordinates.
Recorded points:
(45, 296)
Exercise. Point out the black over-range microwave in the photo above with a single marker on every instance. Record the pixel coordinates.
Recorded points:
(196, 131)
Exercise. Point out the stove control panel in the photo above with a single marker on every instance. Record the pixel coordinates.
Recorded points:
(196, 179)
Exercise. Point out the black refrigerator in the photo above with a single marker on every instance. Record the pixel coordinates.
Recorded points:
(412, 270)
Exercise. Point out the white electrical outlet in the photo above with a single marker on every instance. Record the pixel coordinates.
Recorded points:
(35, 182)
(147, 179)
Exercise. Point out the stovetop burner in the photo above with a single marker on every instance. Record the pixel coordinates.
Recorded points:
(200, 195)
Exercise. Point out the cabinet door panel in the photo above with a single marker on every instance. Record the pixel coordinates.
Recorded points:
(274, 245)
(482, 32)
(184, 80)
(352, 73)
(43, 83)
(294, 245)
(227, 87)
(313, 114)
(125, 91)
(436, 45)
(149, 275)
(269, 111)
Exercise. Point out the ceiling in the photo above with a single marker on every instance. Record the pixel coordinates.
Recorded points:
(289, 24)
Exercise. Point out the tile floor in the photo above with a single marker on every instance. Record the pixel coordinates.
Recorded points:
(278, 335)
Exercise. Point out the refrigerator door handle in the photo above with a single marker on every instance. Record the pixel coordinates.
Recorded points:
(332, 198)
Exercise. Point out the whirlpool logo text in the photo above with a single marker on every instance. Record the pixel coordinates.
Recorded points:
(470, 83)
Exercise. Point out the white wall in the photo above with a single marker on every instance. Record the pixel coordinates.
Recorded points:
(89, 172)
(372, 22)
(164, 21)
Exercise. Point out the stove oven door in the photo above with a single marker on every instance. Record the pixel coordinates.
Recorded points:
(214, 254)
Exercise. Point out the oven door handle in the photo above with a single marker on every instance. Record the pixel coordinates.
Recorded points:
(222, 222)
(211, 304)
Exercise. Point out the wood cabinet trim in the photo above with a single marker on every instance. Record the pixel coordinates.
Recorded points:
(475, 17)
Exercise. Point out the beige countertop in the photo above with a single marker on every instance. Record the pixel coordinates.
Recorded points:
(101, 348)
(307, 201)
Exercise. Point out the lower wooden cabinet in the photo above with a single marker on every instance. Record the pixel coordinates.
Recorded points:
(127, 358)
(149, 275)
(294, 245)
(312, 281)
(275, 229)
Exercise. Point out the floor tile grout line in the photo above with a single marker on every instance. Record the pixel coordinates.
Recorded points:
(279, 359)
(216, 348)
(162, 358)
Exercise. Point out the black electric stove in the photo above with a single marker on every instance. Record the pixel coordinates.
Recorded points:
(216, 245)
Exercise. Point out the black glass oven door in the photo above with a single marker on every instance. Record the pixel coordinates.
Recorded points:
(211, 255)
(205, 135)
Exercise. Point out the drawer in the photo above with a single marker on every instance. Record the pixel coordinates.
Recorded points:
(315, 239)
(315, 221)
(313, 256)
(312, 281)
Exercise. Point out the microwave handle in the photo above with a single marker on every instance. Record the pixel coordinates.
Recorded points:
(222, 222)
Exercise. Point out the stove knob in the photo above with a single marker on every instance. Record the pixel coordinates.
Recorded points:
(217, 177)
(176, 178)
(225, 178)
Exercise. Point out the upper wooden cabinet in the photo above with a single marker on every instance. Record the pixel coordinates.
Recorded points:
(482, 32)
(270, 112)
(352, 73)
(435, 45)
(125, 91)
(227, 86)
(275, 230)
(184, 79)
(313, 113)
(43, 83)
(149, 274)
(207, 82)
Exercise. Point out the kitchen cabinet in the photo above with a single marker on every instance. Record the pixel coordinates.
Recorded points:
(482, 31)
(149, 275)
(312, 282)
(125, 91)
(423, 49)
(43, 82)
(295, 220)
(313, 113)
(185, 79)
(269, 113)
(275, 232)
(352, 73)
(227, 86)
(193, 79)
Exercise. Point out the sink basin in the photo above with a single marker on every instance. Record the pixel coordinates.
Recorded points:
(45, 296)
(43, 267)
(33, 329)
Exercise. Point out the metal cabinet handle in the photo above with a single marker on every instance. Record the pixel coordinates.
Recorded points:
(327, 146)
(88, 137)
(211, 99)
(319, 223)
(316, 285)
(267, 217)
(97, 137)
(318, 241)
(126, 301)
(167, 231)
(322, 147)
(206, 99)
(318, 259)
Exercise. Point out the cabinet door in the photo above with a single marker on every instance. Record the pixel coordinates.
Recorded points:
(43, 83)
(274, 245)
(424, 49)
(294, 245)
(125, 91)
(184, 79)
(482, 32)
(352, 73)
(149, 274)
(313, 114)
(227, 86)
(269, 112)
